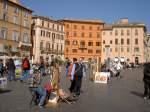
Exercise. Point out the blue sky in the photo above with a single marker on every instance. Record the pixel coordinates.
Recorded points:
(107, 10)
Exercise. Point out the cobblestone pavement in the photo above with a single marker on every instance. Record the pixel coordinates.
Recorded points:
(119, 95)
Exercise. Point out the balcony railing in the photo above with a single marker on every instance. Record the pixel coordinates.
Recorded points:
(82, 47)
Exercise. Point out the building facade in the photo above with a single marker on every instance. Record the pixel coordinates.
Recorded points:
(15, 29)
(147, 48)
(47, 37)
(83, 39)
(124, 40)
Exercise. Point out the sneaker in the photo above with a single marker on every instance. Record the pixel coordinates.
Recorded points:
(40, 106)
(145, 98)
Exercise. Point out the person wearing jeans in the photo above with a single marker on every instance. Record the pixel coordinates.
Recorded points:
(11, 69)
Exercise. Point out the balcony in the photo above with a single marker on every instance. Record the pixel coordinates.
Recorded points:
(83, 47)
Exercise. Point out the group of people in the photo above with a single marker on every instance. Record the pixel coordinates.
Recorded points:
(75, 71)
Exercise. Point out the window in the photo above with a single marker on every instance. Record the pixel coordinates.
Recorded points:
(116, 41)
(67, 42)
(75, 26)
(16, 20)
(122, 41)
(136, 49)
(25, 38)
(26, 23)
(47, 46)
(53, 36)
(16, 10)
(42, 23)
(82, 44)
(57, 47)
(103, 49)
(110, 41)
(3, 33)
(136, 32)
(98, 43)
(103, 33)
(43, 33)
(116, 32)
(103, 41)
(128, 49)
(110, 49)
(90, 27)
(15, 36)
(62, 37)
(67, 34)
(98, 51)
(26, 14)
(116, 49)
(5, 5)
(41, 45)
(74, 42)
(111, 33)
(48, 24)
(136, 41)
(90, 51)
(82, 27)
(82, 34)
(67, 25)
(61, 47)
(98, 35)
(67, 50)
(74, 50)
(32, 32)
(90, 34)
(122, 33)
(122, 49)
(74, 34)
(128, 41)
(5, 16)
(128, 32)
(90, 43)
(98, 28)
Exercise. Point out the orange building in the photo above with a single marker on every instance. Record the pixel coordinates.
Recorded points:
(83, 38)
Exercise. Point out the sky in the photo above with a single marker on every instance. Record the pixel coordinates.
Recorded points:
(109, 11)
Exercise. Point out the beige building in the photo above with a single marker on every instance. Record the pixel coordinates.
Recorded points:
(15, 28)
(48, 38)
(124, 40)
(83, 39)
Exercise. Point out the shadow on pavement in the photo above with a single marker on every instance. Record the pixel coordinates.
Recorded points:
(4, 91)
(137, 94)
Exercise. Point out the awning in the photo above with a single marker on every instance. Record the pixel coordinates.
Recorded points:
(24, 44)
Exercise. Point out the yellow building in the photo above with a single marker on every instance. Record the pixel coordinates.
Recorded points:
(15, 29)
(83, 39)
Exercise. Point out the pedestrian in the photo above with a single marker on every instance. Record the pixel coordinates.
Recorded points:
(25, 69)
(146, 80)
(118, 67)
(10, 65)
(42, 68)
(1, 68)
(67, 66)
(78, 74)
(71, 75)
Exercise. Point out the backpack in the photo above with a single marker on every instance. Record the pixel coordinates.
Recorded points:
(78, 70)
(25, 64)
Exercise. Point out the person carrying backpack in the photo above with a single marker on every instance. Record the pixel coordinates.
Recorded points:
(25, 69)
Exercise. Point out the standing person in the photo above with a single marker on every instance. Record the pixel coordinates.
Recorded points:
(67, 66)
(25, 69)
(52, 66)
(79, 70)
(146, 80)
(42, 67)
(118, 68)
(11, 69)
(1, 68)
(71, 75)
